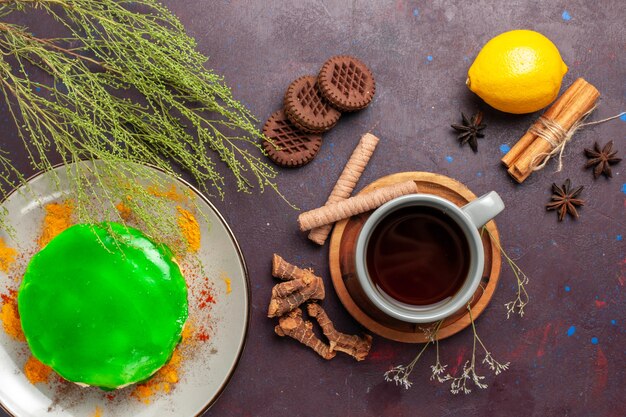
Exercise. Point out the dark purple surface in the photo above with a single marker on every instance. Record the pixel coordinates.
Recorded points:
(568, 352)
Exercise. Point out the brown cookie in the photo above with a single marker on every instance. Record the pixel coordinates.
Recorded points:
(307, 109)
(347, 83)
(290, 147)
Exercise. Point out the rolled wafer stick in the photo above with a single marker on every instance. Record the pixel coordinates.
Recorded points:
(347, 181)
(353, 205)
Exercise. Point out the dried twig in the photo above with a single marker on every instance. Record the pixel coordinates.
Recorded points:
(521, 300)
(462, 383)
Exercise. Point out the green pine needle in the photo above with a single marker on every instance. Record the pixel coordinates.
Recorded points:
(186, 116)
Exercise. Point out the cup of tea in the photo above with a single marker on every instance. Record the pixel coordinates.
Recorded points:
(420, 258)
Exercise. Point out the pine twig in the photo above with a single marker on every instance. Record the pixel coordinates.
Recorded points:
(126, 86)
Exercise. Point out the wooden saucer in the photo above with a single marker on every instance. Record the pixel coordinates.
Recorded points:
(343, 241)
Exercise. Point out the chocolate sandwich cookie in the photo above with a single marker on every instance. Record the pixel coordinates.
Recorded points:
(307, 109)
(347, 83)
(289, 146)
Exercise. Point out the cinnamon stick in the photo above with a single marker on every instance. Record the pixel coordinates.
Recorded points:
(347, 181)
(354, 205)
(577, 100)
(528, 138)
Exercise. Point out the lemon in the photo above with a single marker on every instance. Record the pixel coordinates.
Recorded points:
(517, 72)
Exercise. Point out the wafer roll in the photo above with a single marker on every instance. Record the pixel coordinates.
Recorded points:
(354, 205)
(347, 181)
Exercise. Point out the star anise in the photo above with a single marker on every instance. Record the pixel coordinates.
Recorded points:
(470, 130)
(565, 200)
(601, 160)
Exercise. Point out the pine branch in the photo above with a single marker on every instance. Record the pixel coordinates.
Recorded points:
(185, 115)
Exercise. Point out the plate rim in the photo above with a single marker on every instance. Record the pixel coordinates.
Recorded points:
(221, 218)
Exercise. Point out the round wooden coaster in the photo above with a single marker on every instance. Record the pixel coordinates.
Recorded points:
(341, 260)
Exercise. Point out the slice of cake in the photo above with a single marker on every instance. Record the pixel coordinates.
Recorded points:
(103, 305)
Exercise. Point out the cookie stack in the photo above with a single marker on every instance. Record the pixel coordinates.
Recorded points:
(312, 106)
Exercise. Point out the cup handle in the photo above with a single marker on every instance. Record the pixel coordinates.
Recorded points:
(484, 208)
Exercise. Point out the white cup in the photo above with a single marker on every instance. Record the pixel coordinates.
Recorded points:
(469, 218)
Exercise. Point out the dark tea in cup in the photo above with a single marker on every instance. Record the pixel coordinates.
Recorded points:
(418, 255)
(419, 258)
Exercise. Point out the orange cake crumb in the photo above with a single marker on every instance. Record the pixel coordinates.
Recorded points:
(190, 228)
(11, 317)
(124, 211)
(187, 332)
(161, 381)
(171, 193)
(57, 219)
(97, 413)
(7, 256)
(36, 371)
(226, 280)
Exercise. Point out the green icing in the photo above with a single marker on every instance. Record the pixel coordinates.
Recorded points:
(100, 310)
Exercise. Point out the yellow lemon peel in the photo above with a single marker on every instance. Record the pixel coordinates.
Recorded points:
(519, 71)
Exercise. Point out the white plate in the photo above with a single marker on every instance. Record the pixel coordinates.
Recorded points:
(204, 371)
